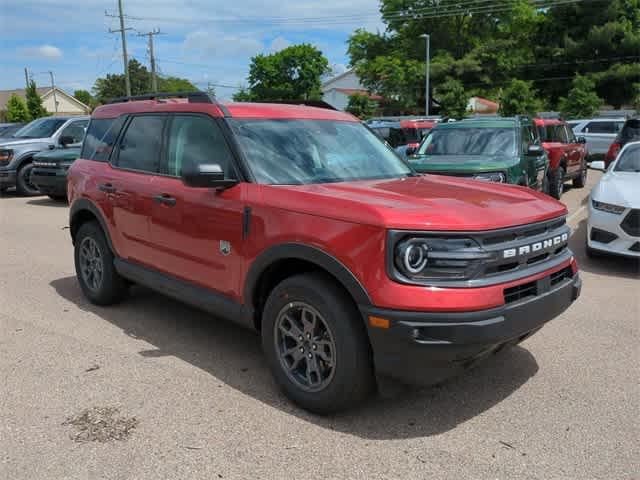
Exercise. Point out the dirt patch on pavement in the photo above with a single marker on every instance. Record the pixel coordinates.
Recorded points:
(101, 424)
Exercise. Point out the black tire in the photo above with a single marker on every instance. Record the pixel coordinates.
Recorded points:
(556, 182)
(352, 377)
(58, 198)
(111, 287)
(581, 180)
(23, 181)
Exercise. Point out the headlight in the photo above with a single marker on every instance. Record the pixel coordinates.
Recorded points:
(6, 154)
(608, 207)
(497, 177)
(436, 258)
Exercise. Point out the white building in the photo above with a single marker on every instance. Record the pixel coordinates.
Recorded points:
(66, 104)
(336, 91)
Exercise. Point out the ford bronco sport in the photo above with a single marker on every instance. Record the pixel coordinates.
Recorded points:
(300, 223)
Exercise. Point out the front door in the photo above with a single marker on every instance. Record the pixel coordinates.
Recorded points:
(197, 232)
(574, 152)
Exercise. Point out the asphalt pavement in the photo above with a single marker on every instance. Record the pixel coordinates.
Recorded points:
(187, 396)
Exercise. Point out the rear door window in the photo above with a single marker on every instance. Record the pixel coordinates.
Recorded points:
(601, 127)
(141, 145)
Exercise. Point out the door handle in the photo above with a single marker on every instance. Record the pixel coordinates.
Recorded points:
(107, 188)
(165, 199)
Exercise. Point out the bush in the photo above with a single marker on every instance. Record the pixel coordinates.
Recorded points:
(582, 100)
(519, 98)
(361, 106)
(17, 110)
(453, 99)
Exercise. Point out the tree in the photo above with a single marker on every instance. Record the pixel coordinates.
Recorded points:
(582, 101)
(17, 110)
(290, 74)
(242, 95)
(519, 98)
(453, 99)
(34, 102)
(175, 84)
(361, 106)
(85, 97)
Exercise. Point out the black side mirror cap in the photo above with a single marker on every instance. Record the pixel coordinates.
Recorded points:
(66, 140)
(582, 140)
(535, 149)
(209, 175)
(410, 151)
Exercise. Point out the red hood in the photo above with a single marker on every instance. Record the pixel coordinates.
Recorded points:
(422, 203)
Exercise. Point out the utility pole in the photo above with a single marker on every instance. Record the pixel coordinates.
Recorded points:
(122, 30)
(53, 88)
(154, 75)
(26, 77)
(427, 92)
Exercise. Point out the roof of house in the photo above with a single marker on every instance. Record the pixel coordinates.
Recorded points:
(338, 77)
(5, 95)
(358, 91)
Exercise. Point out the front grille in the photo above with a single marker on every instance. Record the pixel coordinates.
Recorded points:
(538, 287)
(602, 236)
(631, 223)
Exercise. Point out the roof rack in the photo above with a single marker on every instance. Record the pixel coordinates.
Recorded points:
(307, 103)
(192, 97)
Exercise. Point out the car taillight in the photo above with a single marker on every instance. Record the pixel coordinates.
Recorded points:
(614, 149)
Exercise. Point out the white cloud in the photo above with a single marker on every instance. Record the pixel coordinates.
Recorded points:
(209, 43)
(279, 43)
(43, 51)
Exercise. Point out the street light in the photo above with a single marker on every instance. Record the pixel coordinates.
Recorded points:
(426, 101)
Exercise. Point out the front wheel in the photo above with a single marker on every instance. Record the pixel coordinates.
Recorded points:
(316, 344)
(556, 182)
(23, 181)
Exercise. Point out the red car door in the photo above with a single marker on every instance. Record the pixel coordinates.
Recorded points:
(575, 152)
(128, 185)
(197, 233)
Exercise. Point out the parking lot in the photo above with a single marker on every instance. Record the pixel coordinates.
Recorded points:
(563, 405)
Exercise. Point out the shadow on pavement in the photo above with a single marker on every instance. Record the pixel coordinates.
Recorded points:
(233, 355)
(48, 202)
(608, 265)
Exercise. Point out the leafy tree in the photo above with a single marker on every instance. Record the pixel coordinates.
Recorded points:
(85, 97)
(361, 106)
(291, 73)
(175, 84)
(17, 110)
(582, 101)
(453, 99)
(34, 102)
(242, 95)
(519, 98)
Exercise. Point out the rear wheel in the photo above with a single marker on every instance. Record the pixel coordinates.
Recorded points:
(23, 181)
(316, 344)
(556, 182)
(98, 278)
(581, 180)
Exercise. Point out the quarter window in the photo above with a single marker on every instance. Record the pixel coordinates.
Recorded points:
(100, 138)
(75, 130)
(141, 144)
(196, 140)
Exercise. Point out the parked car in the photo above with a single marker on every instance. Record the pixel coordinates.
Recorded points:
(630, 133)
(16, 153)
(503, 150)
(403, 136)
(567, 155)
(7, 130)
(599, 133)
(49, 174)
(614, 206)
(300, 223)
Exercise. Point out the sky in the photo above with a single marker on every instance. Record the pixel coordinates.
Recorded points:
(202, 40)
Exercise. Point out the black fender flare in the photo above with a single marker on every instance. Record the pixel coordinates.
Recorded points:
(25, 157)
(83, 204)
(314, 255)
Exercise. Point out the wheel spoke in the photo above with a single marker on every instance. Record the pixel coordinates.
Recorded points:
(309, 321)
(313, 372)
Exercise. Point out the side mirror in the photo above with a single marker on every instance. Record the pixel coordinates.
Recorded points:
(535, 149)
(206, 176)
(410, 151)
(598, 165)
(66, 140)
(582, 140)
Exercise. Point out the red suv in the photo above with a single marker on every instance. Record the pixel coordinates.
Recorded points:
(567, 155)
(300, 223)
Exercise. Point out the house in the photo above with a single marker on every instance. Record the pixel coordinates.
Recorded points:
(337, 90)
(67, 104)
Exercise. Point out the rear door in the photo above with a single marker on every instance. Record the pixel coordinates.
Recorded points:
(197, 232)
(575, 152)
(129, 184)
(600, 134)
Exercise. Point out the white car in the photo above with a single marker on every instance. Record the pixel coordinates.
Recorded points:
(600, 133)
(614, 206)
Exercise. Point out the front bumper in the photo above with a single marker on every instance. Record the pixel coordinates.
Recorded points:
(50, 181)
(426, 348)
(624, 244)
(8, 178)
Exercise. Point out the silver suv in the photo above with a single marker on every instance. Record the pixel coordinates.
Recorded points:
(599, 132)
(16, 152)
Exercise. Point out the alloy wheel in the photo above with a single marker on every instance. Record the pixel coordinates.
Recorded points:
(91, 264)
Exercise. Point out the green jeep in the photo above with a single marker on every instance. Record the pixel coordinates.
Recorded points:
(505, 150)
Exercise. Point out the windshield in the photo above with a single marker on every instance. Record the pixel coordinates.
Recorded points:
(41, 128)
(551, 133)
(469, 141)
(315, 151)
(629, 161)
